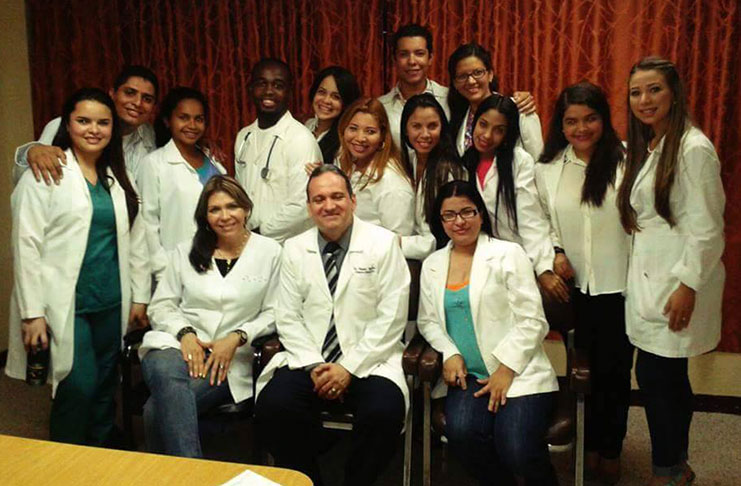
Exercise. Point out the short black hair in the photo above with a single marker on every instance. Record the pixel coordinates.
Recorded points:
(411, 30)
(327, 168)
(272, 61)
(462, 189)
(135, 71)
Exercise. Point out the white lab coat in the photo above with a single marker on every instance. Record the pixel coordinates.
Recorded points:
(534, 229)
(280, 200)
(531, 135)
(421, 242)
(370, 305)
(215, 305)
(169, 188)
(507, 312)
(49, 240)
(135, 146)
(604, 266)
(389, 202)
(689, 253)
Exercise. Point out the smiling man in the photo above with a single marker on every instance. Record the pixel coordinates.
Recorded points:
(134, 93)
(270, 155)
(412, 52)
(342, 309)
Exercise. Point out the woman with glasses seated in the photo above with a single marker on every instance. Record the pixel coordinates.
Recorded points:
(481, 308)
(217, 294)
(472, 80)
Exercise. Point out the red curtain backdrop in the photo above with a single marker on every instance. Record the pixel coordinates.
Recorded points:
(538, 45)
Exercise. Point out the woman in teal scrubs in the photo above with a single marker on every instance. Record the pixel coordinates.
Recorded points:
(80, 261)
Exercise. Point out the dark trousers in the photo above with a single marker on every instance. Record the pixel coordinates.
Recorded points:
(287, 414)
(497, 447)
(83, 410)
(600, 329)
(667, 396)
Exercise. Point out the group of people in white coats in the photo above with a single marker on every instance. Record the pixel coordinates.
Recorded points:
(309, 241)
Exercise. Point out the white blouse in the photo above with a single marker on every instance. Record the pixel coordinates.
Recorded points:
(592, 237)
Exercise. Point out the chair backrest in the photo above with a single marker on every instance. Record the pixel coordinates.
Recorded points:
(415, 269)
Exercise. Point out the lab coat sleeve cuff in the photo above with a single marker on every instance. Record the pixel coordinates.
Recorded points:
(449, 351)
(32, 313)
(687, 277)
(512, 358)
(543, 266)
(352, 365)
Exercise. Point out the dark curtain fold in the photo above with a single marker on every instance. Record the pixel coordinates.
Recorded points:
(537, 45)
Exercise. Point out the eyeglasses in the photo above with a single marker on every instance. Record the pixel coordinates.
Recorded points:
(465, 214)
(475, 74)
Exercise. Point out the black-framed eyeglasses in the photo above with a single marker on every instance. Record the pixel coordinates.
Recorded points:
(465, 213)
(475, 74)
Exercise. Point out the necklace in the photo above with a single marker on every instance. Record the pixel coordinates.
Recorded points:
(218, 253)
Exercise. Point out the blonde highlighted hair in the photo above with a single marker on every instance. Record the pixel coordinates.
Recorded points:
(386, 155)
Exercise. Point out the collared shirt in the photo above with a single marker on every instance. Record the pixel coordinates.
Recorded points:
(592, 237)
(344, 243)
(311, 124)
(393, 102)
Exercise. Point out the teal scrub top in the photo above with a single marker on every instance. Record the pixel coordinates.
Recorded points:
(206, 171)
(99, 282)
(459, 324)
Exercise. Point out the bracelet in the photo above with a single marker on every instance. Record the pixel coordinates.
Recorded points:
(186, 330)
(558, 249)
(242, 336)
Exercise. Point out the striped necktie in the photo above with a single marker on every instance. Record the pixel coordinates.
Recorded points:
(331, 351)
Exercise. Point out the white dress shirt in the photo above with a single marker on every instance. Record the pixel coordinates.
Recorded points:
(282, 151)
(311, 124)
(592, 237)
(388, 202)
(393, 102)
(136, 145)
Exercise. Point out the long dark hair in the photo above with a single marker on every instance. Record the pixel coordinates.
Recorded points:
(349, 90)
(639, 136)
(112, 157)
(462, 189)
(608, 152)
(504, 155)
(457, 102)
(204, 241)
(175, 96)
(443, 163)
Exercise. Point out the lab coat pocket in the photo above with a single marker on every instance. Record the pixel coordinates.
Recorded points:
(654, 281)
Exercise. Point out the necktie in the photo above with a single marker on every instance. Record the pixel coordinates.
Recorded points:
(331, 351)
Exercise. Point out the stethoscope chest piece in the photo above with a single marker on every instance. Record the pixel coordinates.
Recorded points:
(264, 173)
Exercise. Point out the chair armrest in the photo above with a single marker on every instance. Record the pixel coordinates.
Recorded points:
(430, 365)
(579, 372)
(132, 339)
(412, 353)
(264, 349)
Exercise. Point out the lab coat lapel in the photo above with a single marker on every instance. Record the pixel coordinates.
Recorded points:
(314, 263)
(439, 271)
(479, 274)
(355, 249)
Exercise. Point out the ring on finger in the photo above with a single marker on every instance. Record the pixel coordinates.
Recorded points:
(190, 356)
(221, 366)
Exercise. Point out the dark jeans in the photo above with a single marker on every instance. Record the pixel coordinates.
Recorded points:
(287, 418)
(600, 329)
(494, 447)
(667, 396)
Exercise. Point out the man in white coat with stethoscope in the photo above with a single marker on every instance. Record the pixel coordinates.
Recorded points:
(271, 153)
(342, 308)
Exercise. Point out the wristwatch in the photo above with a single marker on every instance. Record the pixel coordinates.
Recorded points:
(242, 336)
(558, 249)
(184, 331)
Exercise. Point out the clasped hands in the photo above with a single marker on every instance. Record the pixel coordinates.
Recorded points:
(218, 361)
(455, 372)
(331, 381)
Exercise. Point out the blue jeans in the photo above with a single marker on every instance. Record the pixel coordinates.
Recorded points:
(171, 413)
(496, 447)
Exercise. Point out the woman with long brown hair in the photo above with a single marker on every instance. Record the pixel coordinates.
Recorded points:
(369, 157)
(671, 200)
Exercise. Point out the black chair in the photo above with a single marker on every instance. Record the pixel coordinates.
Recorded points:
(567, 424)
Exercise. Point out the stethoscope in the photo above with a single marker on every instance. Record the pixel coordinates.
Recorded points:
(265, 172)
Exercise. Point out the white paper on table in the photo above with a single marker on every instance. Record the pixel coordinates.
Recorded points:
(249, 478)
